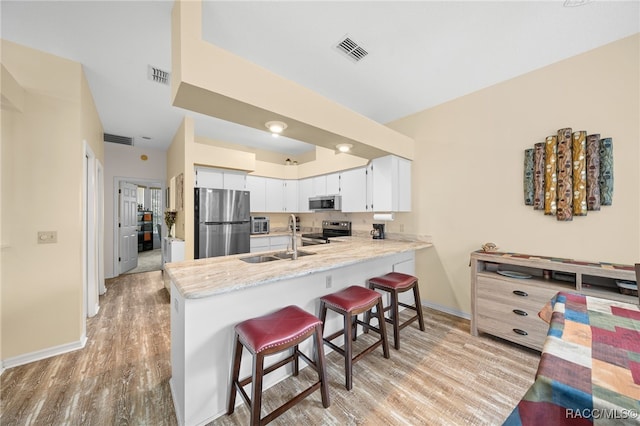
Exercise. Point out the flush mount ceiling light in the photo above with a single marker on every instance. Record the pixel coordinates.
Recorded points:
(574, 3)
(276, 127)
(344, 147)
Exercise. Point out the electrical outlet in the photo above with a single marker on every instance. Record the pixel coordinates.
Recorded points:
(329, 281)
(47, 237)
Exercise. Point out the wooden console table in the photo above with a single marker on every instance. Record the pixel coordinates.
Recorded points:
(507, 307)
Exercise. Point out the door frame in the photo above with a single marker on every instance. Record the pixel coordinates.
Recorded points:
(116, 212)
(93, 236)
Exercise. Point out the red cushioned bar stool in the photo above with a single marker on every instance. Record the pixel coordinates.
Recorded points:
(396, 283)
(268, 335)
(349, 303)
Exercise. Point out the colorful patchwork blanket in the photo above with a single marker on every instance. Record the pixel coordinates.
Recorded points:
(589, 371)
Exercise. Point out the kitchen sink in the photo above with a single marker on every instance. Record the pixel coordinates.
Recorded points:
(259, 259)
(286, 255)
(281, 255)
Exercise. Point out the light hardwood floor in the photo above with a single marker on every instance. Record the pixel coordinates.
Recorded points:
(442, 376)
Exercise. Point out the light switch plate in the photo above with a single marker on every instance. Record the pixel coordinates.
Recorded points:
(47, 237)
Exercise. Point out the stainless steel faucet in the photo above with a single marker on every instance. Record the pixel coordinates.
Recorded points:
(294, 237)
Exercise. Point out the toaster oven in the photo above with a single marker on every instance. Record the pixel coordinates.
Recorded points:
(259, 225)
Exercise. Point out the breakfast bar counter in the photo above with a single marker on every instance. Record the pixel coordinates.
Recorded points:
(207, 277)
(210, 296)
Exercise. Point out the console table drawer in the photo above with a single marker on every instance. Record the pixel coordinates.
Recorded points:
(531, 295)
(514, 322)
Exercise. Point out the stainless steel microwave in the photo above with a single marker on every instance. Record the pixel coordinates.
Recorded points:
(325, 202)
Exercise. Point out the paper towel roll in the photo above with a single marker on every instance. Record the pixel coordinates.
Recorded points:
(383, 216)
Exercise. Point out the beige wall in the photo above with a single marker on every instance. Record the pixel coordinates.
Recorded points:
(467, 176)
(42, 159)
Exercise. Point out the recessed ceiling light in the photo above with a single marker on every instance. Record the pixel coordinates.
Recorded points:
(275, 127)
(344, 147)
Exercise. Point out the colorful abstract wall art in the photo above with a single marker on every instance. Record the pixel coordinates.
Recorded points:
(569, 174)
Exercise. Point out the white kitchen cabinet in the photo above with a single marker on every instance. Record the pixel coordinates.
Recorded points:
(256, 185)
(234, 180)
(352, 188)
(209, 177)
(290, 196)
(279, 242)
(172, 250)
(274, 194)
(269, 243)
(391, 184)
(260, 243)
(319, 185)
(305, 191)
(333, 184)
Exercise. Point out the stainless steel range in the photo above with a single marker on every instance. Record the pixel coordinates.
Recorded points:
(329, 229)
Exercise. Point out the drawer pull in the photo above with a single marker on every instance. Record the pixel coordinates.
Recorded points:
(520, 312)
(520, 332)
(520, 293)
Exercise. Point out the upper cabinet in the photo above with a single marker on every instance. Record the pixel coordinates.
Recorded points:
(390, 183)
(353, 190)
(270, 195)
(257, 186)
(382, 186)
(208, 177)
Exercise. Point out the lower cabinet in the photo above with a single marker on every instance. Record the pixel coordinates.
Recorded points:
(269, 242)
(172, 250)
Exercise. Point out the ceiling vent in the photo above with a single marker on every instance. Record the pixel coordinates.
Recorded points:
(159, 76)
(122, 140)
(353, 50)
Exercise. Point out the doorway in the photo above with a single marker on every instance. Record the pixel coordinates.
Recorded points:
(139, 224)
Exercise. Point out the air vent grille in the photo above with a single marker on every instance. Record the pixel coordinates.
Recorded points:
(353, 50)
(122, 140)
(159, 76)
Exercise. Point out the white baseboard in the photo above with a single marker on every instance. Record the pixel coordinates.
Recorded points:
(44, 353)
(446, 310)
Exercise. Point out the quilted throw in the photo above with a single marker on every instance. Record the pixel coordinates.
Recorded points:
(589, 371)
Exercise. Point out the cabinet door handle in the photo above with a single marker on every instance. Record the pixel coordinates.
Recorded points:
(520, 332)
(520, 293)
(520, 312)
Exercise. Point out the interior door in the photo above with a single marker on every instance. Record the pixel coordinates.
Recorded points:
(128, 226)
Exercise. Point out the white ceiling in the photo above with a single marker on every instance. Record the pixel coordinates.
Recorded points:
(420, 53)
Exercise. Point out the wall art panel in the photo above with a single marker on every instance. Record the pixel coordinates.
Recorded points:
(565, 186)
(579, 153)
(538, 176)
(593, 172)
(528, 177)
(606, 171)
(550, 175)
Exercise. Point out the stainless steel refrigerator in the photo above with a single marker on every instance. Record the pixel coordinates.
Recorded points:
(222, 222)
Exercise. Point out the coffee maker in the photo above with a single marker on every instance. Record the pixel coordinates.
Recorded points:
(378, 231)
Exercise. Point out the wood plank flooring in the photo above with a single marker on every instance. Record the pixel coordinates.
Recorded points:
(442, 376)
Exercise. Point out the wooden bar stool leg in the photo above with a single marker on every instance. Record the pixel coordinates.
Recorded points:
(383, 329)
(235, 375)
(320, 362)
(395, 316)
(296, 361)
(416, 296)
(348, 349)
(256, 388)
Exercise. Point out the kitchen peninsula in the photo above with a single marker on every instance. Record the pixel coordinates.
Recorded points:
(209, 296)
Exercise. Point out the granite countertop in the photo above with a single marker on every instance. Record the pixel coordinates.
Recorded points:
(207, 277)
